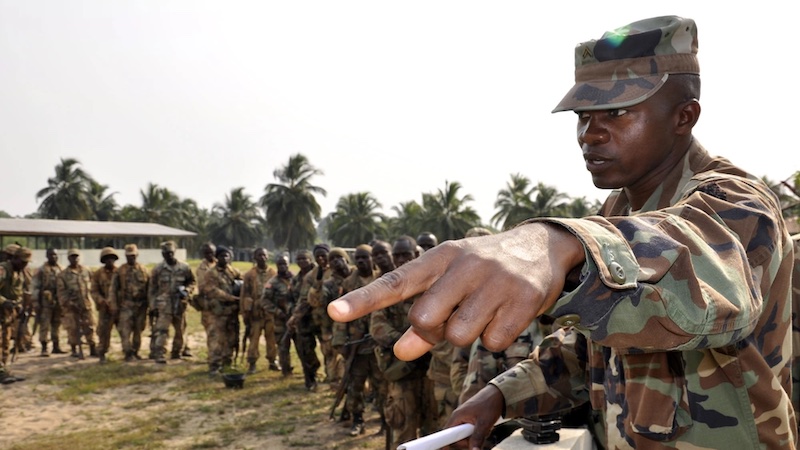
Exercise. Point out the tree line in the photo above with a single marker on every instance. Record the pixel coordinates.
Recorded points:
(284, 217)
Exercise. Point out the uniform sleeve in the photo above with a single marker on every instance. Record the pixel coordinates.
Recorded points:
(113, 303)
(690, 276)
(99, 298)
(381, 329)
(553, 379)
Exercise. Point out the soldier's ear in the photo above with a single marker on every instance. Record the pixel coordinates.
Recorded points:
(687, 114)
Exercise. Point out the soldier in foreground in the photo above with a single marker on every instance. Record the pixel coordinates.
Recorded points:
(171, 284)
(107, 314)
(128, 295)
(74, 285)
(677, 292)
(48, 310)
(199, 301)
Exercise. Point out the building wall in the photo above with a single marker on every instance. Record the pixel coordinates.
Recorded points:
(91, 257)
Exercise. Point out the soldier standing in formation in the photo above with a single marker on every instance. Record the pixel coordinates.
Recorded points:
(48, 310)
(199, 300)
(107, 313)
(363, 365)
(128, 295)
(314, 281)
(405, 380)
(277, 302)
(74, 285)
(219, 287)
(171, 284)
(301, 324)
(256, 320)
(12, 298)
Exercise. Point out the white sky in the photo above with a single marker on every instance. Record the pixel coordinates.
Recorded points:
(388, 97)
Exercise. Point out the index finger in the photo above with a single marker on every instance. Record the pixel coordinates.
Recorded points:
(393, 287)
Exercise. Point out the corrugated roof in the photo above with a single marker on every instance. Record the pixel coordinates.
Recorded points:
(88, 228)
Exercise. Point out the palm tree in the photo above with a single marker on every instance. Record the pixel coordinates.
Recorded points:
(103, 205)
(515, 202)
(409, 219)
(159, 205)
(356, 220)
(446, 215)
(239, 221)
(290, 206)
(580, 207)
(67, 195)
(548, 202)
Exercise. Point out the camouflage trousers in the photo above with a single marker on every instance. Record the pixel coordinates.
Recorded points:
(161, 333)
(223, 339)
(79, 324)
(334, 363)
(440, 403)
(262, 327)
(364, 370)
(402, 410)
(105, 324)
(49, 322)
(131, 324)
(6, 334)
(305, 342)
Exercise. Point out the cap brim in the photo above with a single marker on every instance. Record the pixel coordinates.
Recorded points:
(610, 94)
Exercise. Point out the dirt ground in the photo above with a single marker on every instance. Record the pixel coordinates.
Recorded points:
(186, 411)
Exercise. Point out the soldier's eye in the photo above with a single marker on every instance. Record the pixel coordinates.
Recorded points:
(617, 112)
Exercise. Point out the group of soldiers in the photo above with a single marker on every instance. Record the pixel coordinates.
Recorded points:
(275, 305)
(67, 297)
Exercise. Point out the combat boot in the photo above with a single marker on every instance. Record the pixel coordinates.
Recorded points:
(273, 366)
(252, 367)
(129, 356)
(93, 351)
(44, 353)
(358, 425)
(56, 348)
(102, 357)
(74, 352)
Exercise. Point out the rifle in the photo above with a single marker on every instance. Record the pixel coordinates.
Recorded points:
(247, 328)
(347, 365)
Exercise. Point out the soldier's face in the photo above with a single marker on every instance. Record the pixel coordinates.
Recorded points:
(338, 263)
(260, 257)
(109, 261)
(403, 252)
(169, 256)
(18, 264)
(381, 256)
(632, 147)
(223, 259)
(74, 260)
(322, 258)
(131, 259)
(208, 254)
(283, 265)
(363, 261)
(302, 261)
(52, 258)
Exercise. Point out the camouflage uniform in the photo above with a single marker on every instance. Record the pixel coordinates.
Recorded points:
(364, 366)
(163, 297)
(74, 295)
(484, 365)
(320, 320)
(405, 396)
(440, 397)
(305, 340)
(128, 295)
(223, 336)
(11, 303)
(48, 309)
(255, 281)
(704, 351)
(276, 303)
(106, 315)
(200, 298)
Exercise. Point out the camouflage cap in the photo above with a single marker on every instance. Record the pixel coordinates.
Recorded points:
(168, 246)
(338, 251)
(131, 249)
(11, 249)
(108, 251)
(628, 65)
(73, 251)
(23, 253)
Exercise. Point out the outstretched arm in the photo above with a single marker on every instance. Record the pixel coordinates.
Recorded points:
(489, 286)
